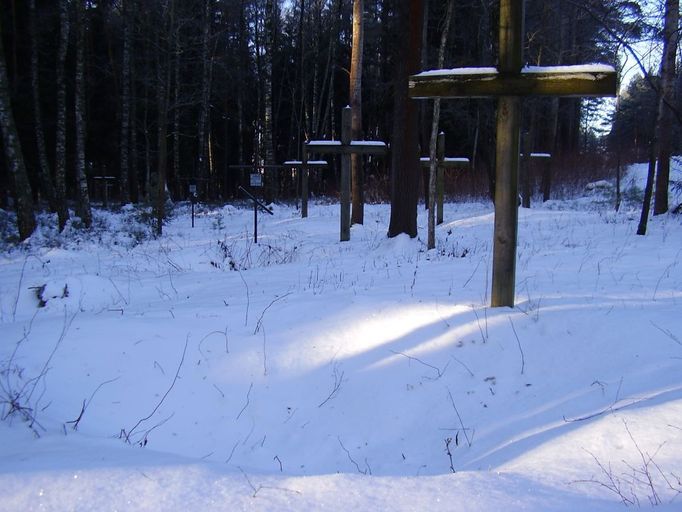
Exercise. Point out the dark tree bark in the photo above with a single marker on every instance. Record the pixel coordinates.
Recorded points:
(665, 123)
(268, 129)
(84, 211)
(60, 139)
(163, 91)
(14, 157)
(206, 65)
(405, 158)
(46, 183)
(357, 171)
(124, 178)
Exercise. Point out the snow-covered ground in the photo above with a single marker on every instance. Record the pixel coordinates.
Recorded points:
(201, 371)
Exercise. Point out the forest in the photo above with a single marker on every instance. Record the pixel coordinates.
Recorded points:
(117, 99)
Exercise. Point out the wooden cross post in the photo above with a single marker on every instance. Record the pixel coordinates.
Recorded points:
(509, 82)
(304, 166)
(345, 147)
(442, 162)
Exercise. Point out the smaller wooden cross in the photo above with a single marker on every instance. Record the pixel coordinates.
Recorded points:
(345, 147)
(526, 157)
(303, 166)
(107, 183)
(442, 162)
(509, 82)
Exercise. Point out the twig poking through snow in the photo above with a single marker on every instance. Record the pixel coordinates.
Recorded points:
(351, 458)
(461, 423)
(259, 323)
(156, 408)
(463, 365)
(87, 404)
(411, 358)
(518, 341)
(484, 336)
(667, 333)
(248, 401)
(338, 380)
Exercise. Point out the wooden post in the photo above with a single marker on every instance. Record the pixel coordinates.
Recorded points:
(507, 157)
(440, 171)
(304, 184)
(525, 170)
(345, 174)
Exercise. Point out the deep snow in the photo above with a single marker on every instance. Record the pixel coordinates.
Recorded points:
(302, 373)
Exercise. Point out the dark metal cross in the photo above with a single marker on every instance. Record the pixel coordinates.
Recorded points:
(509, 82)
(345, 147)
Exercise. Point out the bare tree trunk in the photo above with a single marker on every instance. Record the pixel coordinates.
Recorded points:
(301, 74)
(124, 178)
(134, 153)
(424, 121)
(202, 152)
(14, 157)
(433, 171)
(46, 183)
(405, 158)
(176, 109)
(84, 211)
(60, 144)
(317, 18)
(665, 124)
(330, 106)
(357, 171)
(268, 130)
(648, 188)
(163, 91)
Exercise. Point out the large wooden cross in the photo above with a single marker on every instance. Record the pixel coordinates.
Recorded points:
(509, 82)
(442, 162)
(345, 147)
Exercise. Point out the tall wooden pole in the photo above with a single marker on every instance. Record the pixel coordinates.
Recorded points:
(507, 157)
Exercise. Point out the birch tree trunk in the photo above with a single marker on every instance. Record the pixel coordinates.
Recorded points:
(60, 137)
(433, 171)
(84, 211)
(46, 183)
(357, 171)
(14, 157)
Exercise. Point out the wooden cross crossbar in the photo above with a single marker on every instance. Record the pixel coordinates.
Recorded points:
(442, 162)
(509, 82)
(345, 147)
(304, 166)
(567, 81)
(255, 167)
